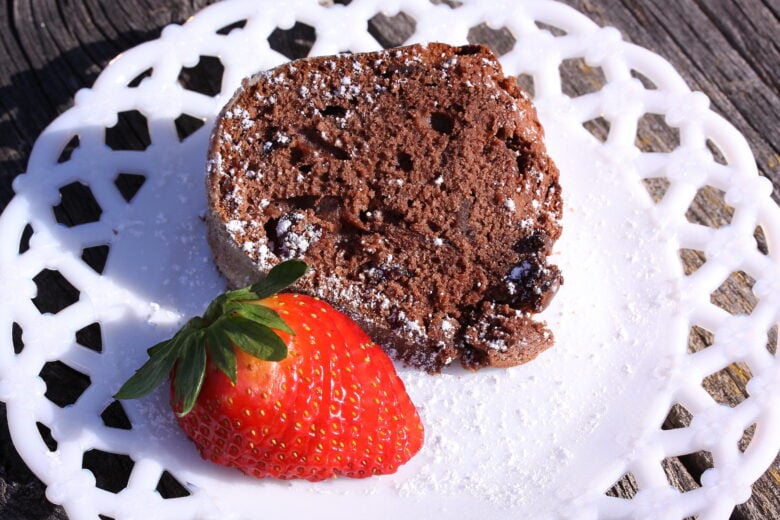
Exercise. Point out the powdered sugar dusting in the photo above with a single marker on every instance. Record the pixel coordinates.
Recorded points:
(537, 442)
(502, 454)
(293, 239)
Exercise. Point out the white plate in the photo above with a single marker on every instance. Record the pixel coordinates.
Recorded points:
(546, 439)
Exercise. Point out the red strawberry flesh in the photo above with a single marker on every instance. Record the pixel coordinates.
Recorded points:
(333, 406)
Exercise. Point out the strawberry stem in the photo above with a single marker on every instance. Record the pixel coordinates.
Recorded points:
(234, 319)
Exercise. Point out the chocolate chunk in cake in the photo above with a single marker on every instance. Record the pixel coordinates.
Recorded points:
(415, 184)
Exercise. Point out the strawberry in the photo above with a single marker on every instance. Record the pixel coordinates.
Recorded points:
(285, 386)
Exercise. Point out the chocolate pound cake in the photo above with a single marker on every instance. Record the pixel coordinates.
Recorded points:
(415, 184)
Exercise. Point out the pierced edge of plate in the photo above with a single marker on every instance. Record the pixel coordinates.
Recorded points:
(549, 33)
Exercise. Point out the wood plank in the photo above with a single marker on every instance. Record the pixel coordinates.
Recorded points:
(726, 49)
(739, 80)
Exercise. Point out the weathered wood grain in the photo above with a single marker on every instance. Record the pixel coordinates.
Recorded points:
(727, 49)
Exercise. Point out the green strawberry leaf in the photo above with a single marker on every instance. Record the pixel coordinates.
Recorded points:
(162, 357)
(216, 308)
(195, 323)
(254, 338)
(279, 278)
(233, 319)
(221, 352)
(189, 375)
(263, 315)
(245, 293)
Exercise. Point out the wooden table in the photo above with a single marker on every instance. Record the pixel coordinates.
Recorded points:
(727, 49)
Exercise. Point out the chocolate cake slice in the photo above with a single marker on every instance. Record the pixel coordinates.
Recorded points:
(415, 184)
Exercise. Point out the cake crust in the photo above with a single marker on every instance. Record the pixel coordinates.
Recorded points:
(415, 184)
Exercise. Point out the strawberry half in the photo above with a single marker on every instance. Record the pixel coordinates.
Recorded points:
(285, 386)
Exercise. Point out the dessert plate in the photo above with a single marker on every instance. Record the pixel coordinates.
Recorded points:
(545, 440)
